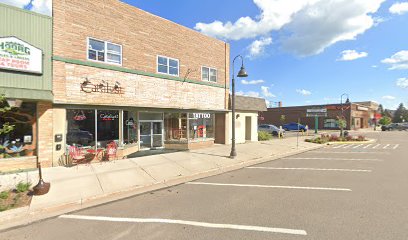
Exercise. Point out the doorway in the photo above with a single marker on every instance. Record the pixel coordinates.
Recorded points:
(151, 134)
(248, 129)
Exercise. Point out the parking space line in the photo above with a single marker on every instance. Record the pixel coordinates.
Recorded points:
(339, 146)
(396, 146)
(348, 146)
(374, 152)
(386, 146)
(359, 145)
(368, 145)
(313, 169)
(190, 223)
(269, 186)
(337, 159)
(376, 146)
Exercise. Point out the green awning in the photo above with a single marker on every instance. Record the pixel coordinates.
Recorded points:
(29, 94)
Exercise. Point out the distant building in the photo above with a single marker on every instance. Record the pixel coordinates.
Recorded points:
(357, 114)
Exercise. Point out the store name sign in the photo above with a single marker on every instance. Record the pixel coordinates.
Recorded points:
(17, 55)
(202, 115)
(89, 87)
(108, 117)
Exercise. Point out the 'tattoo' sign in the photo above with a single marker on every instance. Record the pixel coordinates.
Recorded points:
(17, 55)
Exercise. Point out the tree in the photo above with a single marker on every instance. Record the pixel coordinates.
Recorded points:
(385, 120)
(381, 109)
(282, 119)
(387, 113)
(341, 122)
(400, 114)
(6, 127)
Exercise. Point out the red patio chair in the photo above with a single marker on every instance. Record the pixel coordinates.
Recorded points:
(76, 154)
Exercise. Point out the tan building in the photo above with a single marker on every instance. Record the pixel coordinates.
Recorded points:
(124, 75)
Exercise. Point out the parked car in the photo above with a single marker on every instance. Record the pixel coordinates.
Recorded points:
(272, 129)
(395, 126)
(294, 127)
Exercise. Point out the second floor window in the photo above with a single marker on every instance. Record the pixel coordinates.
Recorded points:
(103, 51)
(209, 74)
(167, 65)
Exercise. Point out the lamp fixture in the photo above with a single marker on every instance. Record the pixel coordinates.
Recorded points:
(14, 103)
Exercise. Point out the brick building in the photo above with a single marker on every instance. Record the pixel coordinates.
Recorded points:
(358, 115)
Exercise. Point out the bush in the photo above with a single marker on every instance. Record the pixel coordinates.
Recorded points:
(349, 138)
(334, 138)
(264, 136)
(361, 138)
(23, 187)
(4, 195)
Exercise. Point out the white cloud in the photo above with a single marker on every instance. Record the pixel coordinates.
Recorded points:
(310, 26)
(248, 94)
(388, 97)
(266, 93)
(397, 61)
(304, 92)
(252, 82)
(374, 66)
(399, 8)
(257, 47)
(42, 6)
(350, 55)
(402, 82)
(16, 3)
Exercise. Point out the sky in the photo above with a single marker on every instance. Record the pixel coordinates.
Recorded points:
(300, 52)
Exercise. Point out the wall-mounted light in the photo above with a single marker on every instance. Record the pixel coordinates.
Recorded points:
(237, 116)
(12, 102)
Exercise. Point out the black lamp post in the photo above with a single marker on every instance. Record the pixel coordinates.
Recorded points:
(342, 110)
(241, 73)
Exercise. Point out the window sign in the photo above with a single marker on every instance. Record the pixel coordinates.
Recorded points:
(17, 55)
(201, 115)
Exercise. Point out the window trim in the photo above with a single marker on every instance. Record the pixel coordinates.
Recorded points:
(209, 74)
(168, 66)
(105, 52)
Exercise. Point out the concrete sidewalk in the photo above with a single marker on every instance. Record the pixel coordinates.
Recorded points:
(88, 185)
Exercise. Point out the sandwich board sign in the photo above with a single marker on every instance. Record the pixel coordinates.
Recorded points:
(17, 55)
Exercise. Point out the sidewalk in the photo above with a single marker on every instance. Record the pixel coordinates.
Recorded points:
(88, 185)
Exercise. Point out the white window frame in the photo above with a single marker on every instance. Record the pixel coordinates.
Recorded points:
(168, 65)
(105, 52)
(209, 74)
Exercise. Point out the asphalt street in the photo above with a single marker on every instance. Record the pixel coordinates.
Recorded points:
(342, 192)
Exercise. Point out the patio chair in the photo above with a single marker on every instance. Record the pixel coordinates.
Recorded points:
(111, 151)
(76, 155)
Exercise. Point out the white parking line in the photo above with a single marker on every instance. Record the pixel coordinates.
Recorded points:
(348, 146)
(339, 146)
(396, 146)
(269, 186)
(386, 146)
(374, 152)
(190, 223)
(312, 169)
(337, 159)
(367, 145)
(359, 145)
(376, 146)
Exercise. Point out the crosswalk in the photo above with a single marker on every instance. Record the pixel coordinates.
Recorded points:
(366, 146)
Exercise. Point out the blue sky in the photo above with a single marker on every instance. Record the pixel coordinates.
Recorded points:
(302, 52)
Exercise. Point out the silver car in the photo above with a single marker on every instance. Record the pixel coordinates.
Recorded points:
(272, 129)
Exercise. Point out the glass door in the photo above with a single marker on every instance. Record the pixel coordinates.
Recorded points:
(157, 136)
(145, 135)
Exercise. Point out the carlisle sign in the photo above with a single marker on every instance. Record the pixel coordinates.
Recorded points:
(17, 55)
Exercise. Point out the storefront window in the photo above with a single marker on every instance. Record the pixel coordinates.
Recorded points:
(81, 127)
(201, 125)
(330, 123)
(175, 126)
(108, 127)
(129, 128)
(21, 140)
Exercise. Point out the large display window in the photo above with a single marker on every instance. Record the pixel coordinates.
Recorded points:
(81, 127)
(201, 125)
(108, 127)
(21, 139)
(175, 126)
(130, 134)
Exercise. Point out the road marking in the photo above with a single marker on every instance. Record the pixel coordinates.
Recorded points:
(396, 146)
(337, 159)
(359, 145)
(348, 146)
(269, 186)
(376, 146)
(340, 146)
(367, 145)
(190, 223)
(376, 152)
(312, 169)
(386, 146)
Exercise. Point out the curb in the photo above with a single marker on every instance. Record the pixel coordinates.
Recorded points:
(23, 216)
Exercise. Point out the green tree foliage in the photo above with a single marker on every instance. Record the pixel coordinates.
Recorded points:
(6, 127)
(399, 114)
(385, 120)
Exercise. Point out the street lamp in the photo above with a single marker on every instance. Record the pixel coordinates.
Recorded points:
(342, 111)
(241, 73)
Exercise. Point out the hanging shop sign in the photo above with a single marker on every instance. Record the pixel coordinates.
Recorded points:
(201, 115)
(17, 55)
(79, 116)
(108, 116)
(89, 87)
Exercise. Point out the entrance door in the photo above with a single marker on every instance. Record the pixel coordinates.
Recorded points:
(248, 128)
(151, 134)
